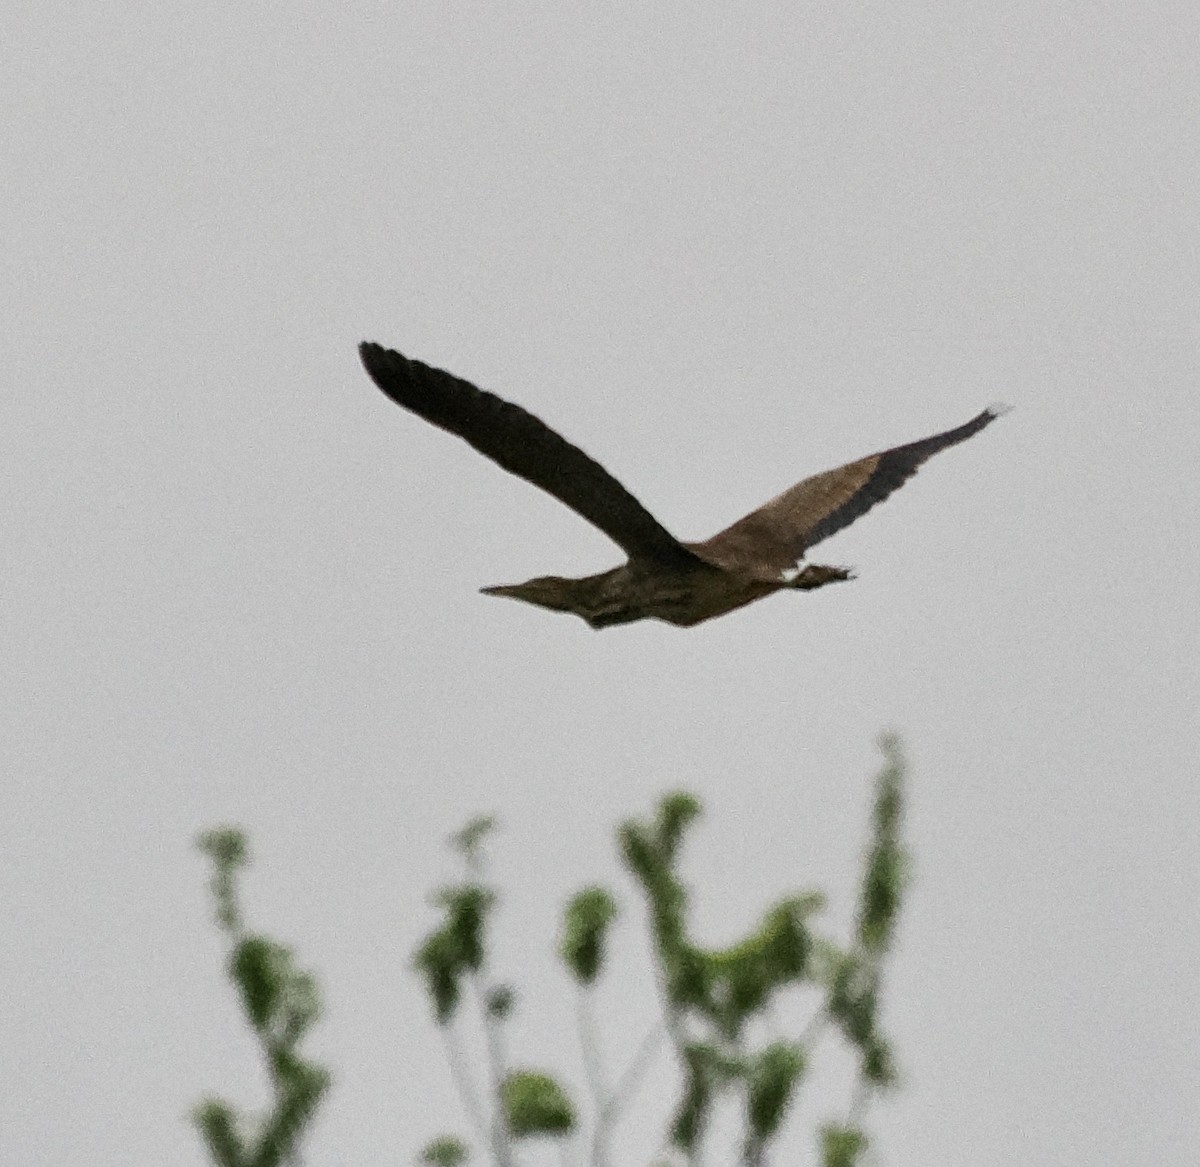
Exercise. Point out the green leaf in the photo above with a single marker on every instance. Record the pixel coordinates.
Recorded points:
(217, 1125)
(721, 1066)
(682, 965)
(787, 943)
(446, 1151)
(689, 977)
(841, 1146)
(281, 1002)
(650, 849)
(535, 1104)
(438, 961)
(887, 862)
(692, 1112)
(302, 1006)
(743, 978)
(469, 839)
(771, 1082)
(227, 848)
(639, 853)
(500, 1001)
(740, 987)
(852, 997)
(587, 918)
(260, 968)
(878, 1066)
(852, 982)
(675, 813)
(303, 1084)
(467, 908)
(456, 947)
(708, 1069)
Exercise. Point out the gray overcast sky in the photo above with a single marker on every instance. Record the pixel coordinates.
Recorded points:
(721, 246)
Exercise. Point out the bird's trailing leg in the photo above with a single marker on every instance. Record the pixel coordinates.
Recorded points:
(814, 575)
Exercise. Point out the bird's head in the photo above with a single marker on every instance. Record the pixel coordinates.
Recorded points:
(547, 591)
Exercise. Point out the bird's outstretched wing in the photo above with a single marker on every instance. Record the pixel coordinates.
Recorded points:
(772, 538)
(526, 447)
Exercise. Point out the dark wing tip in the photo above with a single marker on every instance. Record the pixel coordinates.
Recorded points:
(383, 365)
(523, 445)
(439, 397)
(913, 454)
(893, 468)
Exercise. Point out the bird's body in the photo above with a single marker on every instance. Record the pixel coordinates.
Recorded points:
(663, 579)
(638, 590)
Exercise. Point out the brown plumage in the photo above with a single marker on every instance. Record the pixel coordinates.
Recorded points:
(682, 583)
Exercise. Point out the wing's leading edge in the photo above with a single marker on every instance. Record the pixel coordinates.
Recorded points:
(774, 537)
(517, 441)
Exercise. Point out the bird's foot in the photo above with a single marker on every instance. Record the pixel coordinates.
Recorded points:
(815, 575)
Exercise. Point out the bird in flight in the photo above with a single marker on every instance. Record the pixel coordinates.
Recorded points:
(663, 578)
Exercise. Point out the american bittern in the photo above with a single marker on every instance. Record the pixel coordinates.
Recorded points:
(681, 583)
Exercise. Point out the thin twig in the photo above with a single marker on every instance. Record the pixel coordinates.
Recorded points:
(589, 1044)
(629, 1081)
(818, 1021)
(673, 1024)
(609, 1109)
(461, 1077)
(495, 1058)
(752, 1153)
(859, 1100)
